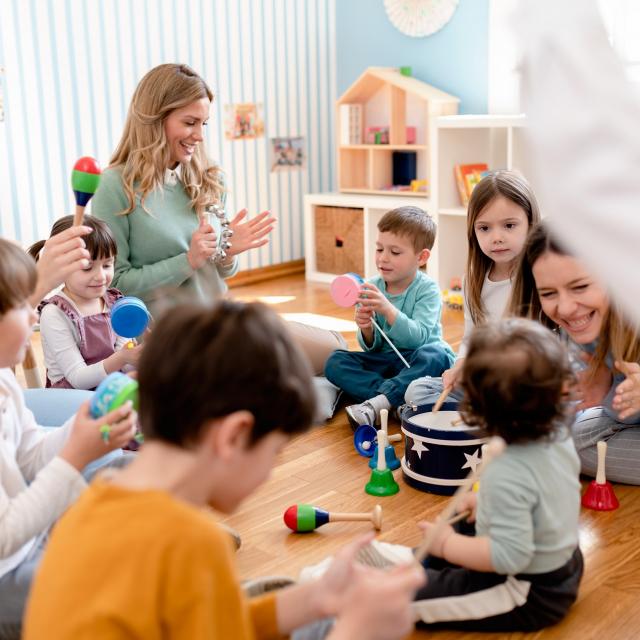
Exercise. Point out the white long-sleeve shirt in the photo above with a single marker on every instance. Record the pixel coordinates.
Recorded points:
(36, 487)
(62, 357)
(495, 297)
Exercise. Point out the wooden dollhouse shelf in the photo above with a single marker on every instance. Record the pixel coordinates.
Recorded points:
(399, 111)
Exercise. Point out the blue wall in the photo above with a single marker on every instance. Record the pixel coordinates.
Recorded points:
(455, 59)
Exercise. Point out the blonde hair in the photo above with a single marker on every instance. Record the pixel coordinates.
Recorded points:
(411, 222)
(143, 153)
(512, 186)
(18, 276)
(616, 334)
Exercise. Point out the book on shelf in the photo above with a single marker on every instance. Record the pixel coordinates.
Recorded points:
(350, 124)
(467, 177)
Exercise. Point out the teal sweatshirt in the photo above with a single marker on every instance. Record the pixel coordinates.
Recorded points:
(152, 247)
(418, 320)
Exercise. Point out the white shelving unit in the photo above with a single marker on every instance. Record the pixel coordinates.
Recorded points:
(466, 139)
(373, 208)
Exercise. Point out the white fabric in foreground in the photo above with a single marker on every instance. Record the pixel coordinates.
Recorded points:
(584, 139)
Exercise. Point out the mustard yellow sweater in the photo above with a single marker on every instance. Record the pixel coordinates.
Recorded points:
(141, 564)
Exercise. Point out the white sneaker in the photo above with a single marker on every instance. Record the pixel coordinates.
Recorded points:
(363, 413)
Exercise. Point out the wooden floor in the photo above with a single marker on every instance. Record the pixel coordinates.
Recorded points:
(322, 468)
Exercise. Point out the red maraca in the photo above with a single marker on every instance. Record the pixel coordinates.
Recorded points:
(303, 518)
(85, 179)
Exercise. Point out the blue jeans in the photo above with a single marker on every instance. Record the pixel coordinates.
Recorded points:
(427, 390)
(364, 375)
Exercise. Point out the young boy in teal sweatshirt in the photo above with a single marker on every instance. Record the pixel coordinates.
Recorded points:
(406, 304)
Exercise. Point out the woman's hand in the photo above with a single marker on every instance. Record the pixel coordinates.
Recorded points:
(250, 234)
(592, 388)
(626, 400)
(86, 441)
(203, 245)
(372, 298)
(62, 255)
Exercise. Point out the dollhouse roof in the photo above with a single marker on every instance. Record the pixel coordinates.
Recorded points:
(374, 78)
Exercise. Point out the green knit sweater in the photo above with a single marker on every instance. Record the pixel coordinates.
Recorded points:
(152, 247)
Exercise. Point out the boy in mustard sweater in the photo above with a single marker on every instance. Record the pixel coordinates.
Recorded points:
(221, 392)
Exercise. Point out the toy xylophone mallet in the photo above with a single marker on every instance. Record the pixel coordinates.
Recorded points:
(303, 518)
(85, 179)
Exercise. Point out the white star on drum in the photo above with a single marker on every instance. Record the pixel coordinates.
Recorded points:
(418, 447)
(472, 461)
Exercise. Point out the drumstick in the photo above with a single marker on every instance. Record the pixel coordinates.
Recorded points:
(495, 447)
(393, 346)
(441, 399)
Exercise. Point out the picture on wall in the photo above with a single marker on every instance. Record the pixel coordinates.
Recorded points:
(244, 120)
(287, 154)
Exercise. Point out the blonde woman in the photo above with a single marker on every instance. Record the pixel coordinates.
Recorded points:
(153, 196)
(156, 189)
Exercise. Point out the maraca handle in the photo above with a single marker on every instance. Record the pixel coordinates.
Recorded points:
(350, 517)
(78, 215)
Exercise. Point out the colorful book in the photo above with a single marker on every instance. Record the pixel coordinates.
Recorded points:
(467, 177)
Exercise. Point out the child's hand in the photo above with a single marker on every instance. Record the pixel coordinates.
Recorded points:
(437, 546)
(451, 377)
(372, 298)
(363, 318)
(86, 441)
(62, 255)
(368, 603)
(203, 245)
(469, 502)
(131, 355)
(626, 400)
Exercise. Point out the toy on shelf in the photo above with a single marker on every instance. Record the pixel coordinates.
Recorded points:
(495, 448)
(303, 518)
(116, 389)
(467, 177)
(599, 494)
(376, 135)
(389, 452)
(452, 297)
(345, 290)
(130, 318)
(85, 179)
(382, 482)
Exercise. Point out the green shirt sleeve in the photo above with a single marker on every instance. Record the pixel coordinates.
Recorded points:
(108, 201)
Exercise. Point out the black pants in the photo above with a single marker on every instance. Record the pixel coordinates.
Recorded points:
(458, 598)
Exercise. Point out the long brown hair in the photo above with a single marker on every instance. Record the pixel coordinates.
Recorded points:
(143, 153)
(512, 186)
(616, 334)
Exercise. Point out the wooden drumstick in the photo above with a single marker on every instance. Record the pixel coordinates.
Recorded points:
(441, 399)
(305, 517)
(495, 447)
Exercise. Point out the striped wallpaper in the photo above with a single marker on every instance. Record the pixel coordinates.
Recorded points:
(70, 68)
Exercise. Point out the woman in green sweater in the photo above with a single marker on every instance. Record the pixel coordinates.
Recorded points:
(154, 195)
